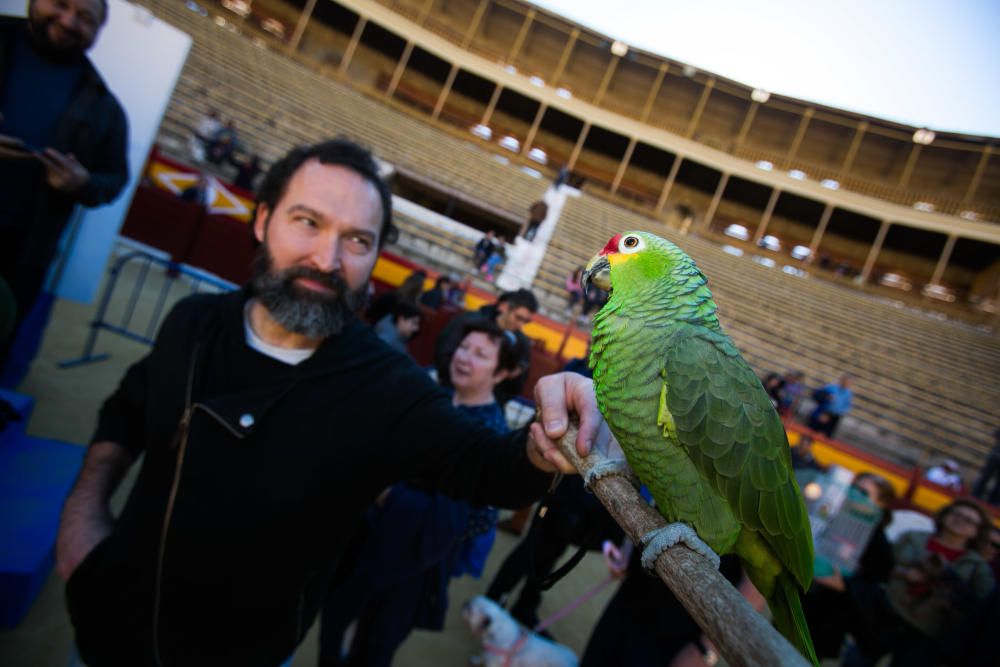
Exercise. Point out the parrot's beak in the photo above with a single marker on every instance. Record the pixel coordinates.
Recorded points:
(597, 273)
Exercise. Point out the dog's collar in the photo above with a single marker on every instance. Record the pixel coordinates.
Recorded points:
(508, 653)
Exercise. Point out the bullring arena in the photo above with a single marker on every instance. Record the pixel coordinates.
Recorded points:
(833, 242)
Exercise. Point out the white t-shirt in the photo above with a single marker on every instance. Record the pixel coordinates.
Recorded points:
(292, 356)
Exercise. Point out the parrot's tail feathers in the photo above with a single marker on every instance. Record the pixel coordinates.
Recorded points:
(789, 617)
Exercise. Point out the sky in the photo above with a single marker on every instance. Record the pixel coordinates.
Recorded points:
(927, 64)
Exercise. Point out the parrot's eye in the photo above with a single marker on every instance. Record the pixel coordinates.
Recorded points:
(631, 244)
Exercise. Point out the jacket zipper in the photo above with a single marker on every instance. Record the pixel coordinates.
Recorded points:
(182, 441)
(183, 428)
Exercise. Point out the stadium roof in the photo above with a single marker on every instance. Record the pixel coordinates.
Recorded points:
(920, 63)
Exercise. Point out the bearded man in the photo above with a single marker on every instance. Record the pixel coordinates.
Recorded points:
(270, 418)
(63, 137)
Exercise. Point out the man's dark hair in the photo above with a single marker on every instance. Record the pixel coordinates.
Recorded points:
(442, 279)
(518, 298)
(508, 357)
(405, 311)
(341, 152)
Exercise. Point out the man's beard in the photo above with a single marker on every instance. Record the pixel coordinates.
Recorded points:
(301, 310)
(39, 34)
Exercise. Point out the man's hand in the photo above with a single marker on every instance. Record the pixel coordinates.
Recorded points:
(556, 397)
(63, 172)
(12, 148)
(86, 517)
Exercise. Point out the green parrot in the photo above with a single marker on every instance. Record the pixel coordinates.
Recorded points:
(695, 423)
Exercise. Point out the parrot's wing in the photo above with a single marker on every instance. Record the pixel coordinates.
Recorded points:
(724, 419)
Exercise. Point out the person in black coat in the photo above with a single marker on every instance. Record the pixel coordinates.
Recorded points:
(63, 138)
(267, 421)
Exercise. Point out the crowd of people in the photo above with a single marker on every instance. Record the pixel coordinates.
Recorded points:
(219, 144)
(830, 402)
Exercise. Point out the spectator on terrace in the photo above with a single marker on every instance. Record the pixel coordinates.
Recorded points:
(574, 290)
(413, 540)
(946, 474)
(561, 178)
(437, 296)
(536, 216)
(838, 604)
(791, 394)
(592, 300)
(408, 292)
(511, 312)
(773, 384)
(247, 170)
(802, 455)
(200, 192)
(484, 248)
(494, 263)
(989, 476)
(456, 295)
(208, 126)
(223, 143)
(936, 581)
(832, 402)
(399, 327)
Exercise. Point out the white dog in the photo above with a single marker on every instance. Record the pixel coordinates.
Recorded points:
(508, 644)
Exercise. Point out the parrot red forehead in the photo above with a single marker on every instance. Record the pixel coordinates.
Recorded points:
(612, 245)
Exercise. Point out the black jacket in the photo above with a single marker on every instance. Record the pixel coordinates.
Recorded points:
(246, 501)
(451, 337)
(93, 127)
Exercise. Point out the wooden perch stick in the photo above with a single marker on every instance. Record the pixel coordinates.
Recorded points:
(741, 635)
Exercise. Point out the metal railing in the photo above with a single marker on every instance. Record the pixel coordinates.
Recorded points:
(157, 283)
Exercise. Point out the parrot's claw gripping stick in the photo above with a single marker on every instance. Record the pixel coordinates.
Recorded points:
(657, 541)
(606, 467)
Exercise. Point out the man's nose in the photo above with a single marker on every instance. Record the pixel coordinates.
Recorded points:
(327, 255)
(69, 20)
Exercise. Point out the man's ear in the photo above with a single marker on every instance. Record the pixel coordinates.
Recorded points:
(260, 221)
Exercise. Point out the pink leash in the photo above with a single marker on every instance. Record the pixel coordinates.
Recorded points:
(574, 605)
